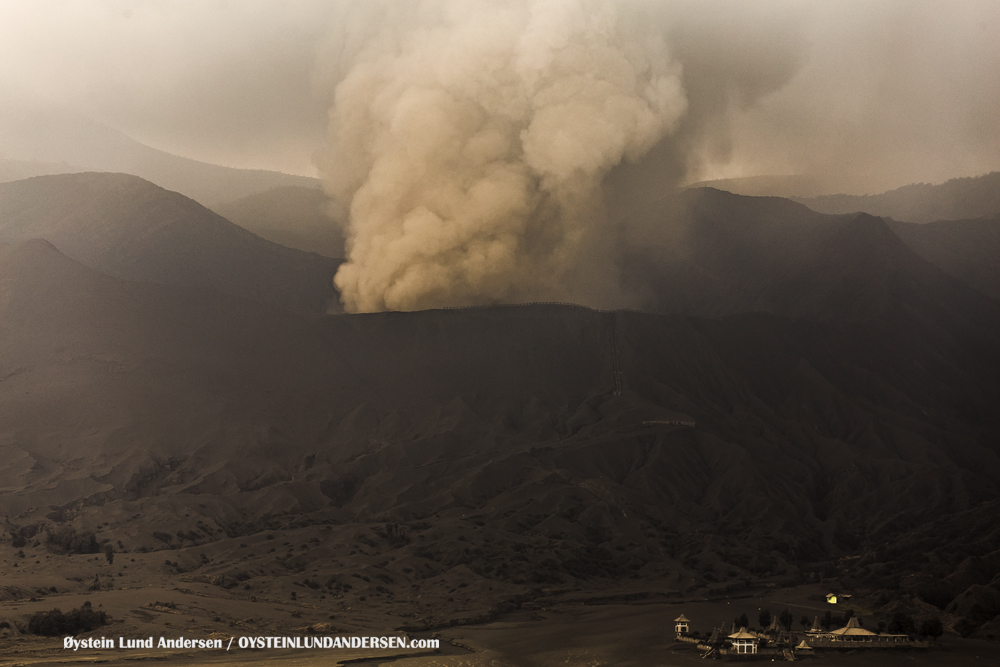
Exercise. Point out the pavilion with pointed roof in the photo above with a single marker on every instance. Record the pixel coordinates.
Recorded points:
(852, 632)
(681, 624)
(743, 641)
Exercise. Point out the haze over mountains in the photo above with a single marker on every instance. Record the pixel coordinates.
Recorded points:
(292, 211)
(956, 199)
(38, 141)
(953, 225)
(712, 253)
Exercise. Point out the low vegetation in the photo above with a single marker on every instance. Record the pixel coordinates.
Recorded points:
(55, 623)
(67, 540)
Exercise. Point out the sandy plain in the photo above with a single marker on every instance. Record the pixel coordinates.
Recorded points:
(615, 626)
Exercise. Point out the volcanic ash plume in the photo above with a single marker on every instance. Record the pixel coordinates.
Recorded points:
(468, 140)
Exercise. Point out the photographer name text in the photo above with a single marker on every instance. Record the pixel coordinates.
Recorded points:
(251, 642)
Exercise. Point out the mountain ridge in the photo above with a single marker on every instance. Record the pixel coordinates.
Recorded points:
(293, 216)
(956, 199)
(128, 227)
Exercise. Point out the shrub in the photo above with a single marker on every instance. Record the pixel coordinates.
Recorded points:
(67, 540)
(20, 536)
(55, 623)
(932, 627)
(966, 626)
(901, 624)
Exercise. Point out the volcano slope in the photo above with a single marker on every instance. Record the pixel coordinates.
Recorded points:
(297, 217)
(713, 253)
(419, 469)
(126, 227)
(966, 249)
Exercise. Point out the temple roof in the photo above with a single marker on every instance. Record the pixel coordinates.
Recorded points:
(742, 634)
(852, 629)
(803, 646)
(682, 619)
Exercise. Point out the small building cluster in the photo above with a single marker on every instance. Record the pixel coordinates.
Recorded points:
(777, 642)
(853, 635)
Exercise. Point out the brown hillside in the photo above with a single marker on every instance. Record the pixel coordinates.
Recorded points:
(966, 249)
(493, 432)
(297, 217)
(129, 228)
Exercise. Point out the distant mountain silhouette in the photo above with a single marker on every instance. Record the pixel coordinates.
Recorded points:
(37, 142)
(297, 217)
(957, 199)
(765, 186)
(707, 252)
(714, 253)
(129, 228)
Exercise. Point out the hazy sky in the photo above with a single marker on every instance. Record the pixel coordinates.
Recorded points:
(866, 95)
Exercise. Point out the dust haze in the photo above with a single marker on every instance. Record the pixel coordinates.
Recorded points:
(484, 152)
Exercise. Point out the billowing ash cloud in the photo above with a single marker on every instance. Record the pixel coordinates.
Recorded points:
(469, 139)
